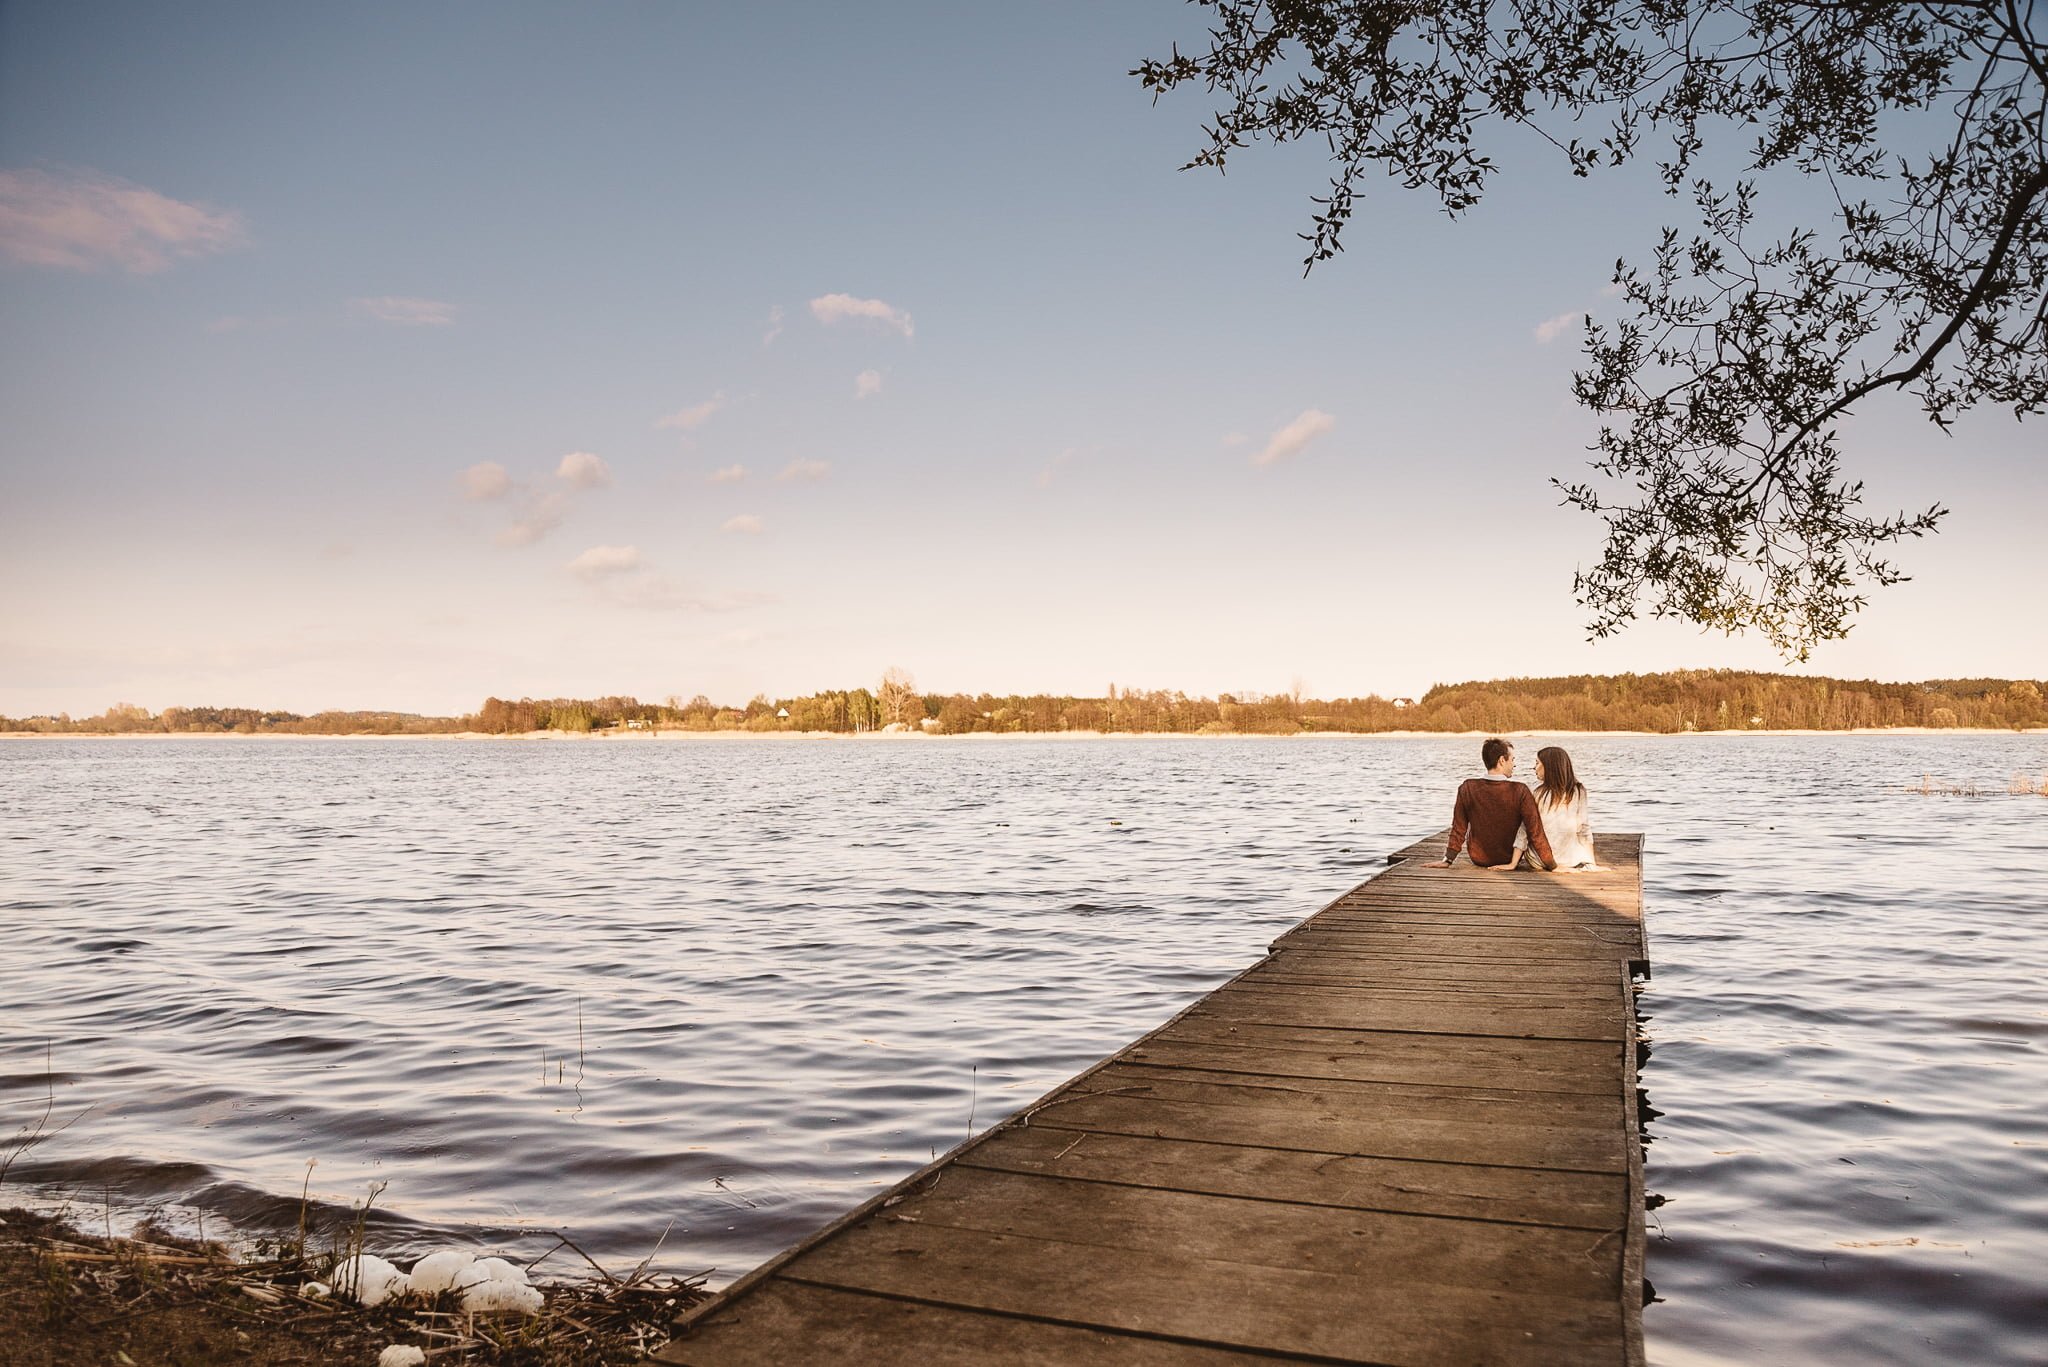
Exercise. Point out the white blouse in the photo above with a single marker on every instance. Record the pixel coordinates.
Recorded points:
(1566, 827)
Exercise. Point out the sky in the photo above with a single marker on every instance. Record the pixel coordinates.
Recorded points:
(395, 356)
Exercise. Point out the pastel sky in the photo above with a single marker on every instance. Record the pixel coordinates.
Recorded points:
(395, 355)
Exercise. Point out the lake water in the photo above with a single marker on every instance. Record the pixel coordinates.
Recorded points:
(722, 991)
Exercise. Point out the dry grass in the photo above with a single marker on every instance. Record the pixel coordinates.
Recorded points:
(1930, 786)
(67, 1296)
(2021, 784)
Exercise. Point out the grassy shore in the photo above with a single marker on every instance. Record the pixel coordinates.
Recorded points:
(70, 1297)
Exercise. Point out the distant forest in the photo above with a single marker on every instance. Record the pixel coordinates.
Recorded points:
(1688, 700)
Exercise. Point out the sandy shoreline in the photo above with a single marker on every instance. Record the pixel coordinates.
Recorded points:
(985, 737)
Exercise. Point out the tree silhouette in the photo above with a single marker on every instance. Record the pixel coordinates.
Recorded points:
(1717, 472)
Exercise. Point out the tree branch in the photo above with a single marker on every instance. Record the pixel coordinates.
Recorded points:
(2015, 214)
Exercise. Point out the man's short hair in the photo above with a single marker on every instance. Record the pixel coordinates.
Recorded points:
(1490, 753)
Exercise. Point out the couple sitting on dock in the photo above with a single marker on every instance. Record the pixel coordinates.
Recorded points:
(1501, 824)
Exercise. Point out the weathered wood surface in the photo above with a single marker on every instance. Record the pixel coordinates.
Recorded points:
(1407, 1136)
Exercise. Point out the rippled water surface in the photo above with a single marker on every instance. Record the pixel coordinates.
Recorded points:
(726, 989)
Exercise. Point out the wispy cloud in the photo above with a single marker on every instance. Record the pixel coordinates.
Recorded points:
(486, 480)
(537, 506)
(805, 471)
(1550, 329)
(839, 308)
(539, 514)
(742, 636)
(727, 474)
(582, 470)
(868, 382)
(1236, 438)
(602, 562)
(84, 221)
(746, 524)
(1611, 289)
(1291, 439)
(622, 576)
(1050, 471)
(244, 322)
(693, 417)
(404, 312)
(774, 326)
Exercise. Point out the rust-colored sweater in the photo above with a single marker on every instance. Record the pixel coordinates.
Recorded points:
(1488, 813)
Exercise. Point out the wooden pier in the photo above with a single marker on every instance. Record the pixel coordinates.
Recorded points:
(1407, 1135)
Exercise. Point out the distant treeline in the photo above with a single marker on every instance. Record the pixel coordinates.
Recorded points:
(127, 719)
(1687, 700)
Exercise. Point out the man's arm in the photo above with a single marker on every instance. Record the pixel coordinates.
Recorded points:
(1532, 822)
(1461, 818)
(1461, 822)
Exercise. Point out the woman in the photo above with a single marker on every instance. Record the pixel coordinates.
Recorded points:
(1561, 802)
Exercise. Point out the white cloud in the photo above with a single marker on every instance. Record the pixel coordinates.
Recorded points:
(1549, 329)
(836, 308)
(584, 470)
(693, 417)
(1050, 471)
(805, 471)
(651, 592)
(746, 523)
(1611, 289)
(1291, 439)
(727, 474)
(243, 322)
(621, 576)
(404, 312)
(742, 636)
(774, 326)
(81, 220)
(866, 383)
(486, 480)
(601, 562)
(1236, 438)
(537, 508)
(541, 514)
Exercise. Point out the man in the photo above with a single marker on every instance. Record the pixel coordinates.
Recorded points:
(1490, 811)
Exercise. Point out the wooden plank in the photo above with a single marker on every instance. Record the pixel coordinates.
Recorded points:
(1391, 1133)
(1456, 1100)
(1529, 1065)
(1371, 1317)
(1449, 1014)
(1401, 989)
(1562, 948)
(1435, 968)
(1407, 1135)
(1467, 1190)
(1464, 892)
(1425, 920)
(836, 1326)
(1509, 924)
(1235, 1232)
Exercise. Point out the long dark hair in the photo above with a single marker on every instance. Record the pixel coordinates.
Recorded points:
(1560, 785)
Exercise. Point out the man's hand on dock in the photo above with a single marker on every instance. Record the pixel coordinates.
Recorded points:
(1437, 864)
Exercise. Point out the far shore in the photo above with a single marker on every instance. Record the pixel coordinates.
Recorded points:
(983, 737)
